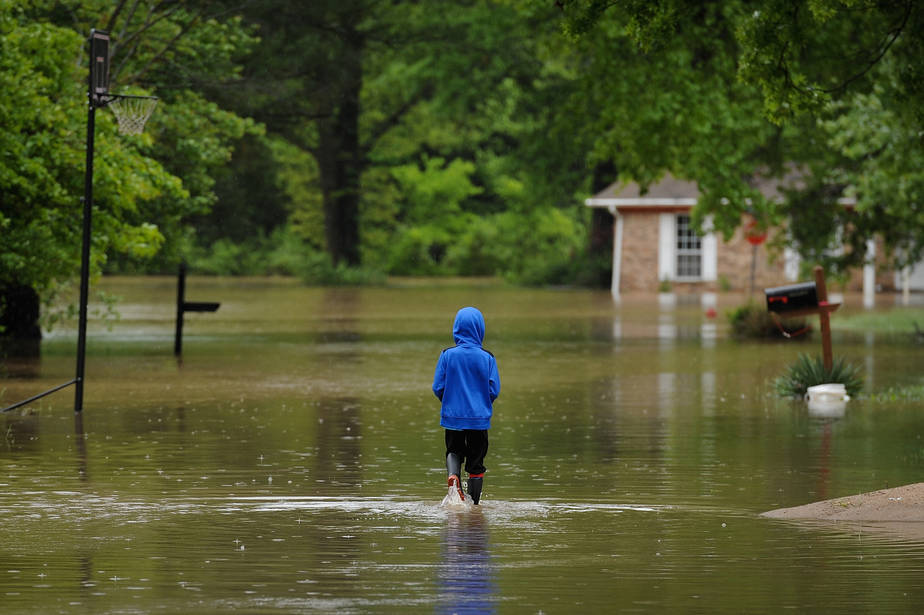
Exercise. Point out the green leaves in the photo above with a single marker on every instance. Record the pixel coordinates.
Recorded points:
(719, 92)
(37, 184)
(810, 371)
(434, 194)
(144, 186)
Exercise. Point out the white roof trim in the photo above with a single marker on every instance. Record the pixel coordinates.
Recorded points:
(662, 202)
(639, 202)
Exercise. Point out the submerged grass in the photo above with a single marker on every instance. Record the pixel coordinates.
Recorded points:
(897, 320)
(913, 392)
(810, 371)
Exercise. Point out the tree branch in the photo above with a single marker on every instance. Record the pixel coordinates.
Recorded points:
(135, 37)
(390, 122)
(115, 15)
(167, 46)
(891, 36)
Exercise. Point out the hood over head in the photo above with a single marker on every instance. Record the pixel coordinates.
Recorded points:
(468, 327)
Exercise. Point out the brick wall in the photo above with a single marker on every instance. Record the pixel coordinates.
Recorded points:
(734, 264)
(639, 266)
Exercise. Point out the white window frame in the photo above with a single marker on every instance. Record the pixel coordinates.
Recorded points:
(687, 243)
(667, 238)
(668, 230)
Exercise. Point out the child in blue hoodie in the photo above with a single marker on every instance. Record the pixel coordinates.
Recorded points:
(467, 382)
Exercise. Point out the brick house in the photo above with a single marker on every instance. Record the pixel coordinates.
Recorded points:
(655, 246)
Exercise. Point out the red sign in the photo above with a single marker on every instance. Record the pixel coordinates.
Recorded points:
(754, 235)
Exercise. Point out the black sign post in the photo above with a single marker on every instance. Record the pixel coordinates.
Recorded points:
(183, 306)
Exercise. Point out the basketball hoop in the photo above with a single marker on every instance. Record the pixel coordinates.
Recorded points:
(132, 112)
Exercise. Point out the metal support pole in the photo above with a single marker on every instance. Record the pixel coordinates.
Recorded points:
(180, 304)
(85, 260)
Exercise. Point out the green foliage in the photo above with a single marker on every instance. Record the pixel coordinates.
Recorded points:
(475, 251)
(881, 162)
(434, 194)
(753, 321)
(808, 371)
(538, 248)
(452, 139)
(830, 88)
(913, 392)
(282, 252)
(453, 169)
(145, 187)
(41, 171)
(418, 251)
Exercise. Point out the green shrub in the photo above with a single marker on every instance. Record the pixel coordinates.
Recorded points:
(808, 371)
(286, 253)
(283, 252)
(753, 321)
(224, 257)
(539, 248)
(418, 250)
(474, 252)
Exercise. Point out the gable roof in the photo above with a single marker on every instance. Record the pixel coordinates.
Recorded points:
(673, 192)
(669, 191)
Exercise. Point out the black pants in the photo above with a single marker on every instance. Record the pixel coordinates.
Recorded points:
(471, 445)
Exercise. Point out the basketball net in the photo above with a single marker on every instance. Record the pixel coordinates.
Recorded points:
(132, 112)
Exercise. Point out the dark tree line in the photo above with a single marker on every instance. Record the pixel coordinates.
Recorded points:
(341, 139)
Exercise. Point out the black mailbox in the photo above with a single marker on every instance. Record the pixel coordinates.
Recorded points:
(790, 298)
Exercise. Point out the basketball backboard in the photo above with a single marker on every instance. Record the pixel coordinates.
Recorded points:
(99, 66)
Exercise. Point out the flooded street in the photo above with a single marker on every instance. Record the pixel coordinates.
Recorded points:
(292, 461)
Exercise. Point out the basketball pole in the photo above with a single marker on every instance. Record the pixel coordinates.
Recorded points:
(97, 96)
(85, 255)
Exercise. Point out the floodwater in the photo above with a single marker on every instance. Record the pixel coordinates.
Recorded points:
(292, 461)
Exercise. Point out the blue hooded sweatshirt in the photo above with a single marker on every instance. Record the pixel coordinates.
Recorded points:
(466, 378)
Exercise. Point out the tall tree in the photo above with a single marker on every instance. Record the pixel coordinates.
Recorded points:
(305, 81)
(347, 80)
(767, 83)
(143, 185)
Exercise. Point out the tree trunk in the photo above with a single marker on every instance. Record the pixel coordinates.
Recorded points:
(341, 164)
(19, 316)
(600, 245)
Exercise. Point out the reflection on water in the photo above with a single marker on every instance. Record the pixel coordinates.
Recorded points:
(290, 463)
(339, 451)
(465, 574)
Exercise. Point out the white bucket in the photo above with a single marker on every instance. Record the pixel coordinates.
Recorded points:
(826, 393)
(827, 400)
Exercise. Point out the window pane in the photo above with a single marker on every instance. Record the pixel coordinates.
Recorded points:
(688, 265)
(689, 249)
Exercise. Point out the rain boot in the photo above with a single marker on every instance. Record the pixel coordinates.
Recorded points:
(454, 469)
(475, 483)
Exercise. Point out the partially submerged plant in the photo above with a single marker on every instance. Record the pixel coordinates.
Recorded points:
(810, 371)
(752, 320)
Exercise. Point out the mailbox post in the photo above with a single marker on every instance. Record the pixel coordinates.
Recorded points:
(824, 316)
(804, 300)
